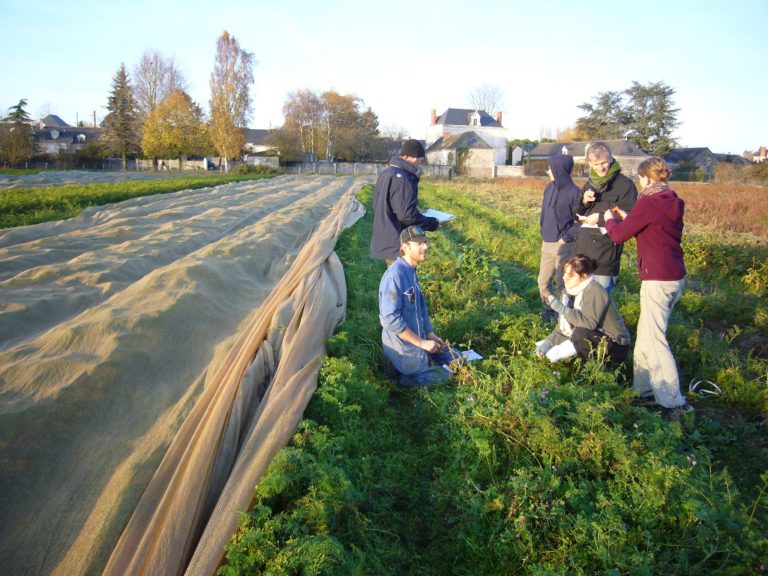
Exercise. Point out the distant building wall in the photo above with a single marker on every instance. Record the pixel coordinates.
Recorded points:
(427, 170)
(273, 161)
(172, 164)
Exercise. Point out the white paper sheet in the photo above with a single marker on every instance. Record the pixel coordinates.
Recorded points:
(441, 216)
(561, 351)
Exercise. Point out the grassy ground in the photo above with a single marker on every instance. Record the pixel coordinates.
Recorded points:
(17, 171)
(22, 206)
(519, 466)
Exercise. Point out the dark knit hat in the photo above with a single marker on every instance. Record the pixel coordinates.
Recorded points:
(412, 148)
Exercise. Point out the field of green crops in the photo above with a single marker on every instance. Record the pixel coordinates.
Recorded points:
(23, 206)
(520, 466)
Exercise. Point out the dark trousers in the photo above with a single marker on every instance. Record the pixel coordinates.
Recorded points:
(585, 341)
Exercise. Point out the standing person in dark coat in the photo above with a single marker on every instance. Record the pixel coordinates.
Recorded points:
(395, 203)
(607, 188)
(657, 223)
(558, 227)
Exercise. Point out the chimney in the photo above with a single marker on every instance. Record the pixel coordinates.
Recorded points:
(762, 151)
(434, 117)
(498, 117)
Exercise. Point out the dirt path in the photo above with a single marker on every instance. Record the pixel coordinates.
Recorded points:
(110, 326)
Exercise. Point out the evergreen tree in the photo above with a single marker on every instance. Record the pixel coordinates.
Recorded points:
(643, 113)
(17, 114)
(121, 129)
(16, 144)
(607, 119)
(653, 117)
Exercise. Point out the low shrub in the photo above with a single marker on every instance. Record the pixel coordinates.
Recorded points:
(260, 169)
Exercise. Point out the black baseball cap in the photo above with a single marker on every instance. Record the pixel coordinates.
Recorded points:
(413, 234)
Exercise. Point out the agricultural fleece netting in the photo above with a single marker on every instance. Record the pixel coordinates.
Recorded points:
(141, 399)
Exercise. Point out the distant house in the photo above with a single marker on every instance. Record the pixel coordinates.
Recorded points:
(734, 159)
(489, 134)
(690, 160)
(760, 155)
(626, 152)
(467, 149)
(257, 141)
(54, 136)
(520, 153)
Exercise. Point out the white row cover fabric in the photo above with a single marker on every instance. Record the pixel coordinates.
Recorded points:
(136, 342)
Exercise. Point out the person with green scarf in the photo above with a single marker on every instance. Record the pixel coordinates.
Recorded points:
(606, 189)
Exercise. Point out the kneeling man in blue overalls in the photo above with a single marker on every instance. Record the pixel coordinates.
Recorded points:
(410, 344)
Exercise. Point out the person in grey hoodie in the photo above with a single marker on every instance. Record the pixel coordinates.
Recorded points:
(558, 227)
(587, 313)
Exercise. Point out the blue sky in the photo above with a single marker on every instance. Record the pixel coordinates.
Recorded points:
(406, 58)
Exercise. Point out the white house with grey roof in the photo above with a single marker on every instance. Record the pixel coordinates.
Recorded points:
(473, 132)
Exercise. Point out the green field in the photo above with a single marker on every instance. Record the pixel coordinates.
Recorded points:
(519, 466)
(23, 206)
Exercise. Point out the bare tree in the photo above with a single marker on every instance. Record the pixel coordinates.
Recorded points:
(486, 97)
(303, 113)
(155, 78)
(330, 125)
(393, 131)
(44, 110)
(230, 98)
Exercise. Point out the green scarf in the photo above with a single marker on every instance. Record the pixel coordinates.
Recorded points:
(601, 182)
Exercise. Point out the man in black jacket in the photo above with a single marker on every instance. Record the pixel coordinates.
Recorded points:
(395, 202)
(606, 188)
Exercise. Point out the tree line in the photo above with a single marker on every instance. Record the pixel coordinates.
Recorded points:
(154, 115)
(151, 114)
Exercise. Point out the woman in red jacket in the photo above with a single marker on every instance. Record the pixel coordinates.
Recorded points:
(656, 221)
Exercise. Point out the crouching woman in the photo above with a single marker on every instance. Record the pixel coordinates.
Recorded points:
(587, 315)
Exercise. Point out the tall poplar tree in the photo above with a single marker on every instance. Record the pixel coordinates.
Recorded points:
(121, 127)
(230, 98)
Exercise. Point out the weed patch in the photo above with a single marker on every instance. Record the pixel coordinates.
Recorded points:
(519, 466)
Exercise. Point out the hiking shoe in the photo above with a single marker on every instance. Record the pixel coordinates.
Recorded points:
(677, 412)
(649, 400)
